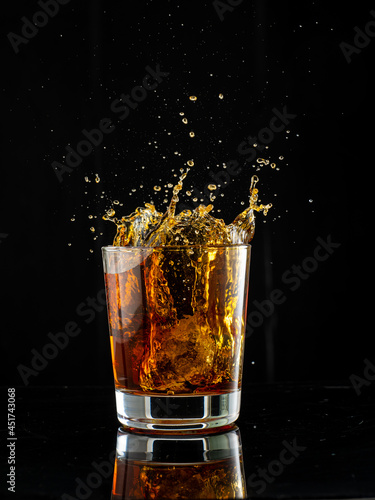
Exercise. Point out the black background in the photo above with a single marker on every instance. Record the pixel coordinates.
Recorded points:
(262, 55)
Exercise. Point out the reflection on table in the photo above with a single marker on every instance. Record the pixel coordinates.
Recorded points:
(161, 467)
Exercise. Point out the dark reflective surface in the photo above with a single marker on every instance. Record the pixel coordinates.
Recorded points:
(298, 441)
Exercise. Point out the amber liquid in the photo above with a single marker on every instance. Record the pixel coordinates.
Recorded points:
(177, 321)
(135, 480)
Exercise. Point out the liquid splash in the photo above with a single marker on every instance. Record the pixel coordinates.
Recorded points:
(149, 228)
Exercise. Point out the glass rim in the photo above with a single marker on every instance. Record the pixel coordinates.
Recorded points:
(115, 248)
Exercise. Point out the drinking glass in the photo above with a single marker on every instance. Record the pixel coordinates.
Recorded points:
(177, 330)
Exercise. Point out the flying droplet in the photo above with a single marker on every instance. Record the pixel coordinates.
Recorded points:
(273, 165)
(157, 188)
(193, 97)
(184, 120)
(97, 178)
(221, 96)
(191, 134)
(190, 163)
(92, 229)
(211, 187)
(116, 202)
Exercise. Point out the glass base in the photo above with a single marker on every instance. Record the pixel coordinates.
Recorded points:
(177, 413)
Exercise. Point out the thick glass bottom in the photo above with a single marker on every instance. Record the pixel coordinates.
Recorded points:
(177, 413)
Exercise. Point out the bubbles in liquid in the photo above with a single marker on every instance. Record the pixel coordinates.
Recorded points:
(193, 97)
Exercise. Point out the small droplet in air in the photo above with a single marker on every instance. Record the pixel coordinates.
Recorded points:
(110, 212)
(211, 187)
(157, 188)
(193, 97)
(190, 163)
(191, 134)
(273, 165)
(92, 229)
(97, 178)
(281, 157)
(221, 96)
(184, 120)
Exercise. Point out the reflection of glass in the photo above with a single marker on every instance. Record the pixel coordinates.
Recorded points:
(177, 330)
(163, 467)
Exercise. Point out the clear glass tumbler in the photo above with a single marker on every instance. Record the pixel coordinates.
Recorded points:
(177, 330)
(175, 466)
